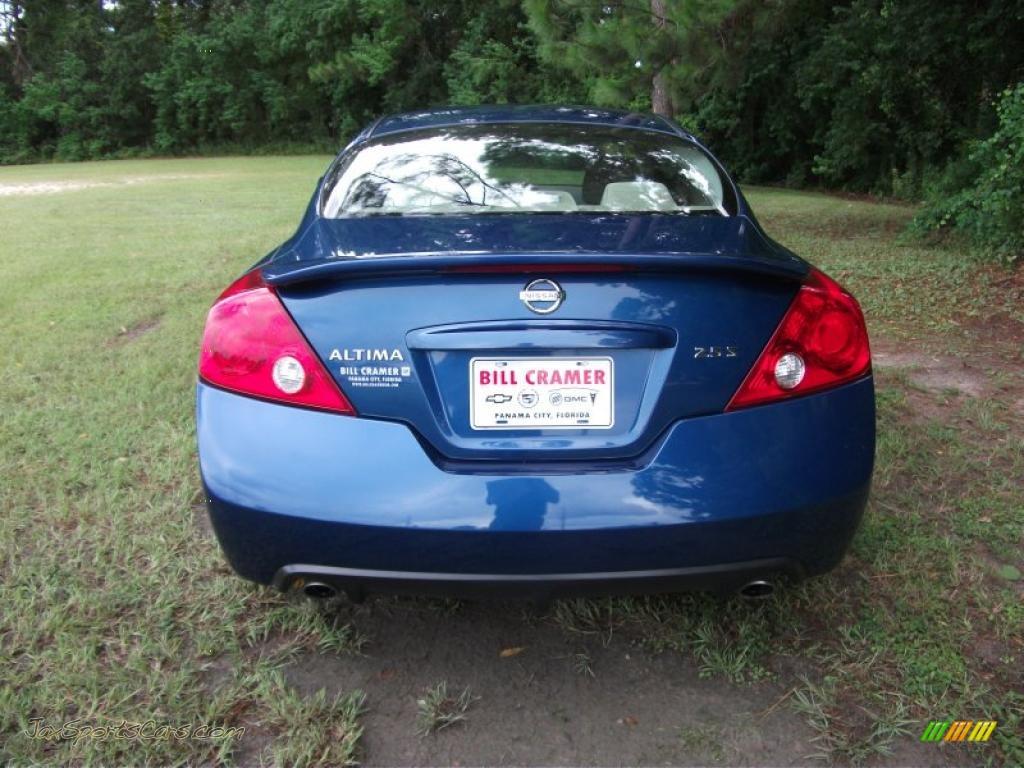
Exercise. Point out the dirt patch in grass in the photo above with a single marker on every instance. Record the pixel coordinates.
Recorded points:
(253, 748)
(932, 371)
(55, 187)
(554, 698)
(911, 752)
(48, 187)
(992, 373)
(129, 333)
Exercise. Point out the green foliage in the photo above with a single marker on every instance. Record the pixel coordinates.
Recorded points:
(621, 51)
(180, 77)
(496, 62)
(867, 95)
(872, 96)
(981, 193)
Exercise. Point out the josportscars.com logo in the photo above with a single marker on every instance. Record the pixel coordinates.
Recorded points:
(958, 730)
(78, 730)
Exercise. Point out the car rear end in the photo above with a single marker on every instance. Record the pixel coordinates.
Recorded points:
(534, 402)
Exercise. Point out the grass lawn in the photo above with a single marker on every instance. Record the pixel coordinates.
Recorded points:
(115, 604)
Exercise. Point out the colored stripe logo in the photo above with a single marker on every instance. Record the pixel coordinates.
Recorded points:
(958, 730)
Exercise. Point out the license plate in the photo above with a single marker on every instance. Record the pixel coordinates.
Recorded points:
(541, 393)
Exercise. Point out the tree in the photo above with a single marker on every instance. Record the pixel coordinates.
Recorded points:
(630, 53)
(868, 95)
(496, 62)
(13, 53)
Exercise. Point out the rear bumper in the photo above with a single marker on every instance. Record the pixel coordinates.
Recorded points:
(719, 501)
(715, 578)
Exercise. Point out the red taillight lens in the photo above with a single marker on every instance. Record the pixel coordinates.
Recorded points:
(252, 346)
(822, 341)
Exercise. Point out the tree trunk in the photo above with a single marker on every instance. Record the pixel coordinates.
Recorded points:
(10, 15)
(661, 99)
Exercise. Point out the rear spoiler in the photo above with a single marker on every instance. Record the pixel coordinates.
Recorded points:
(283, 272)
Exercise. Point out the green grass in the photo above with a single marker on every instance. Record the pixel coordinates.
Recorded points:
(907, 288)
(116, 606)
(439, 709)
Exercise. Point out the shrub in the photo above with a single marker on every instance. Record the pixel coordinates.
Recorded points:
(981, 194)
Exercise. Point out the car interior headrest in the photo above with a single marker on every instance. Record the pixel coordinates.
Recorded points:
(644, 195)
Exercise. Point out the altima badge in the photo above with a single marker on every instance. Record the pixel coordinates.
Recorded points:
(542, 296)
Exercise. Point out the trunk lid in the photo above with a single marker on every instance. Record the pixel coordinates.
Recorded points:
(431, 327)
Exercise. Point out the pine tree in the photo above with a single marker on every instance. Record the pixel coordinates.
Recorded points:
(630, 53)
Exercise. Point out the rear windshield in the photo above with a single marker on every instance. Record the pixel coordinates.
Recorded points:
(524, 168)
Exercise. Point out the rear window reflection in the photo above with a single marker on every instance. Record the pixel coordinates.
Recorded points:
(523, 168)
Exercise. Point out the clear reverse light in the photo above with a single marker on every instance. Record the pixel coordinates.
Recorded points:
(789, 370)
(289, 375)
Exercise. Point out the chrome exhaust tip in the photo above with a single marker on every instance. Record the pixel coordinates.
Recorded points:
(317, 590)
(757, 590)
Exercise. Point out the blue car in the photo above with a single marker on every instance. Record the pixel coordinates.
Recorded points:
(533, 351)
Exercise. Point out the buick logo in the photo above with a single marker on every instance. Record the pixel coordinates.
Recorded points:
(542, 296)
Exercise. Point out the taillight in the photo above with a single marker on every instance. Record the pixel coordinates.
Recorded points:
(821, 342)
(252, 346)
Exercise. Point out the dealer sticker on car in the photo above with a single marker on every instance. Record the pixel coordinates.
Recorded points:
(541, 393)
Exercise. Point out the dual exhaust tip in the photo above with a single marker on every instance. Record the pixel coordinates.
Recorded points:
(318, 590)
(753, 591)
(321, 592)
(756, 591)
